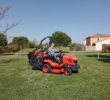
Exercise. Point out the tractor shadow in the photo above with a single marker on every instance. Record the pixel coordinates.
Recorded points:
(101, 57)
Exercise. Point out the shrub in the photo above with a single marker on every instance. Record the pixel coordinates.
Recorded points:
(31, 44)
(106, 49)
(21, 42)
(76, 47)
(9, 48)
(6, 49)
(14, 47)
(72, 47)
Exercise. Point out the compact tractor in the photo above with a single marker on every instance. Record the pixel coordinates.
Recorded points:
(41, 59)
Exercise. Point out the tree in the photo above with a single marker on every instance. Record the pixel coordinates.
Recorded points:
(76, 47)
(32, 44)
(60, 39)
(21, 42)
(3, 40)
(4, 27)
(3, 13)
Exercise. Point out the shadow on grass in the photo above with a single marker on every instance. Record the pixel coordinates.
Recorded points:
(101, 57)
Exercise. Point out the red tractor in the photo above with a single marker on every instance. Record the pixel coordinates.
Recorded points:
(40, 59)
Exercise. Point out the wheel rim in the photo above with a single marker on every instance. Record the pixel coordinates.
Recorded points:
(67, 72)
(45, 69)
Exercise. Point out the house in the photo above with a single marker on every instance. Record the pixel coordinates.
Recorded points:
(96, 42)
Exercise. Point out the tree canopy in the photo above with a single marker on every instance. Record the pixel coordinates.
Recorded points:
(3, 40)
(21, 42)
(60, 38)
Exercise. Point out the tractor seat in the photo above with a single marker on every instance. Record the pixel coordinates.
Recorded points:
(51, 57)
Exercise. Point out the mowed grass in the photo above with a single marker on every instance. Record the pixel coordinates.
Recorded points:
(18, 82)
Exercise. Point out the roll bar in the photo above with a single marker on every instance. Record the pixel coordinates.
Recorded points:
(40, 45)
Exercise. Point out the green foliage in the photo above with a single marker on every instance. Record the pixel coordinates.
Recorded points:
(60, 39)
(21, 42)
(9, 48)
(3, 40)
(72, 46)
(14, 47)
(6, 49)
(76, 47)
(106, 49)
(45, 46)
(32, 44)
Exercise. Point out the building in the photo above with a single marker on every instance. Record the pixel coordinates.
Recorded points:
(96, 42)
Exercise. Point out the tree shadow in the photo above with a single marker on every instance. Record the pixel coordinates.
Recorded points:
(101, 57)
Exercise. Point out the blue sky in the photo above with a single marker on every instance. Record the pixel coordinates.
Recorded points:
(40, 18)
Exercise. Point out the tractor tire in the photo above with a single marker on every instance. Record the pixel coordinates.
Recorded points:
(34, 68)
(75, 69)
(46, 68)
(67, 71)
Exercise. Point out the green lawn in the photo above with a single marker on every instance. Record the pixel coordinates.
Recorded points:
(18, 82)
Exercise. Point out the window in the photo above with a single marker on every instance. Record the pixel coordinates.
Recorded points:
(98, 39)
(93, 44)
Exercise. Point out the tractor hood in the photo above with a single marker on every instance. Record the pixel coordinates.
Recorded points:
(69, 59)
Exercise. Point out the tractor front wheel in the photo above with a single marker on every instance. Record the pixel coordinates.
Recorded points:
(46, 68)
(67, 71)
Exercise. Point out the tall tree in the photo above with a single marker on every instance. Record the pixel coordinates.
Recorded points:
(60, 38)
(3, 14)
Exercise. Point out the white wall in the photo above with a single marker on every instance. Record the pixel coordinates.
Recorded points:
(99, 44)
(84, 42)
(90, 48)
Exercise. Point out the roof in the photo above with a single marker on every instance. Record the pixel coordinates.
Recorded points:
(99, 35)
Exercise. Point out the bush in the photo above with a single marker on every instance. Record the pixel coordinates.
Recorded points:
(106, 49)
(6, 49)
(32, 44)
(9, 48)
(76, 47)
(72, 47)
(21, 42)
(15, 47)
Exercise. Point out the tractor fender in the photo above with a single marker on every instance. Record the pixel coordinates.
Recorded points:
(51, 63)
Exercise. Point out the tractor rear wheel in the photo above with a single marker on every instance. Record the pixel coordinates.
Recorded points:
(46, 68)
(67, 71)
